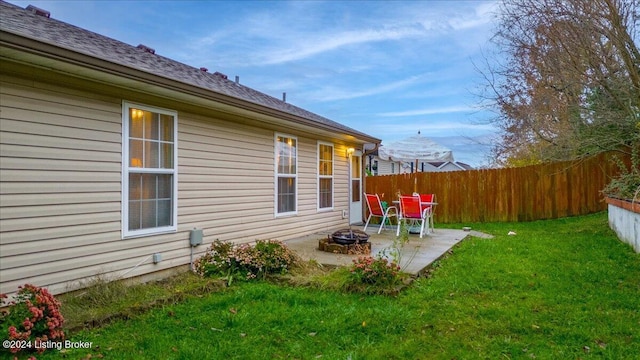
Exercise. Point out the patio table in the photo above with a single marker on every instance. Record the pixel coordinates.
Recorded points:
(415, 229)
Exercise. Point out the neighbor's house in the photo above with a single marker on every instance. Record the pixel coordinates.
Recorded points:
(375, 165)
(111, 153)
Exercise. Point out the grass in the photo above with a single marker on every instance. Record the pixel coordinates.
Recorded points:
(101, 301)
(558, 289)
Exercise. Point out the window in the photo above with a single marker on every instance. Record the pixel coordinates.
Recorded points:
(149, 170)
(286, 174)
(325, 176)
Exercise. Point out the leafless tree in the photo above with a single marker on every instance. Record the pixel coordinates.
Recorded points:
(568, 84)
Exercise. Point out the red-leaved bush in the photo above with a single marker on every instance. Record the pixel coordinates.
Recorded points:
(374, 271)
(33, 316)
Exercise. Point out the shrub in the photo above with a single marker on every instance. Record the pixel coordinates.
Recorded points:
(216, 260)
(273, 257)
(244, 261)
(374, 271)
(627, 184)
(34, 316)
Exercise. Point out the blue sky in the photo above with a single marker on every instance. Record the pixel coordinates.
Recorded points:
(387, 68)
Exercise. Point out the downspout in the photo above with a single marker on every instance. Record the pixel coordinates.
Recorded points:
(367, 151)
(350, 151)
(369, 148)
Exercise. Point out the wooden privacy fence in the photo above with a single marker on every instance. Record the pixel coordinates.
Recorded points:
(527, 193)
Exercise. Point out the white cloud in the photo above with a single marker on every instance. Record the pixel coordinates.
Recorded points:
(335, 93)
(391, 131)
(302, 47)
(429, 111)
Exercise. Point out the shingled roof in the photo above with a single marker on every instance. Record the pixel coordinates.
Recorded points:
(27, 24)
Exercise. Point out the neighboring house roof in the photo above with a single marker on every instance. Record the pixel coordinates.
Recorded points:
(460, 165)
(464, 165)
(47, 31)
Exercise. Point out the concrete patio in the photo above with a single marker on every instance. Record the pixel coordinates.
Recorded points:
(416, 255)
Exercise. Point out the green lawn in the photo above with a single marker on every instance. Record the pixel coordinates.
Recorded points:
(559, 289)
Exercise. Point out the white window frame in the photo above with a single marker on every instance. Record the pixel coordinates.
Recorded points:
(126, 170)
(277, 175)
(320, 176)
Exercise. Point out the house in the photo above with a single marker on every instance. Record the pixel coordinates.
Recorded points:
(112, 154)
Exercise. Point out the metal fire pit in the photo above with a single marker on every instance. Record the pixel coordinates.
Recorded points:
(348, 237)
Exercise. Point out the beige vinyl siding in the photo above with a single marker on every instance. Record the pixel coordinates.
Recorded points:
(234, 201)
(60, 155)
(227, 180)
(60, 187)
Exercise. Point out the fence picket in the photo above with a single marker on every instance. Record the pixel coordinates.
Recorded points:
(527, 193)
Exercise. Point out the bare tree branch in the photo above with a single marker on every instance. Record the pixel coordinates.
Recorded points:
(570, 85)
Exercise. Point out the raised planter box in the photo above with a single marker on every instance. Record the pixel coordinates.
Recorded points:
(624, 219)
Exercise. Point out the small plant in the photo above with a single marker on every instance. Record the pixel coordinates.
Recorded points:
(627, 184)
(396, 249)
(244, 261)
(374, 271)
(31, 319)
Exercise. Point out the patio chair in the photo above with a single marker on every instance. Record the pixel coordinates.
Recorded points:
(410, 210)
(376, 210)
(428, 201)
